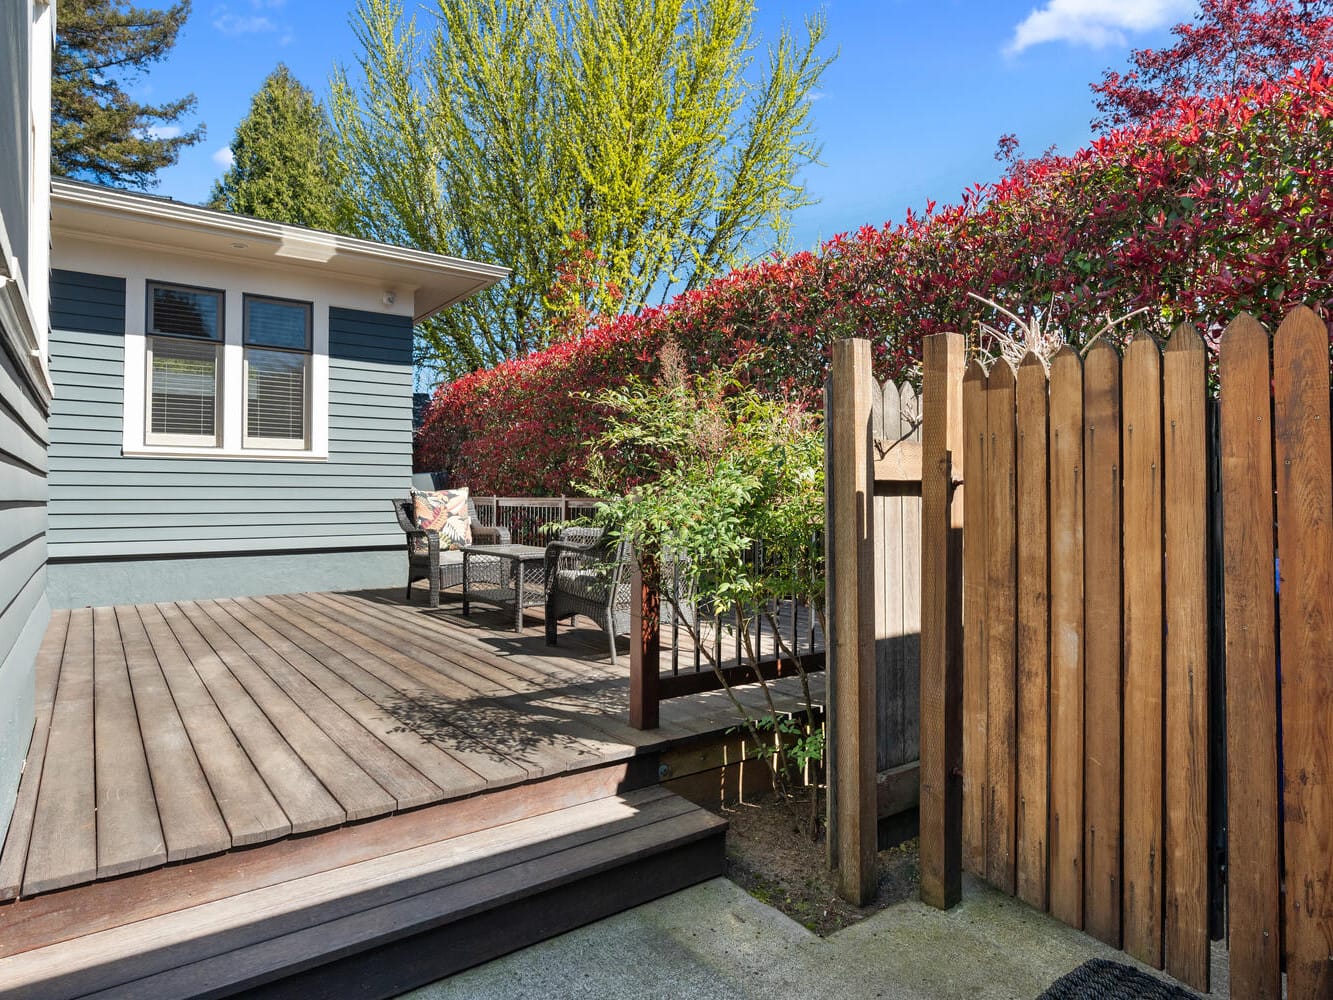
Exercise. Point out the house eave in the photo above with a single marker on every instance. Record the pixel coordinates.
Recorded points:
(106, 214)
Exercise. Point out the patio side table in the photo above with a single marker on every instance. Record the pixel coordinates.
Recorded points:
(520, 583)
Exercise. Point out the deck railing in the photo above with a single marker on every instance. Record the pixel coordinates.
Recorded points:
(529, 518)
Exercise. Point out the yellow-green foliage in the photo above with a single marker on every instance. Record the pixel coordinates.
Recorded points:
(504, 126)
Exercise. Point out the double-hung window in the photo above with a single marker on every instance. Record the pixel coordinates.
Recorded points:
(184, 346)
(276, 336)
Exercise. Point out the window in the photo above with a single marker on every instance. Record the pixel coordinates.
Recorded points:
(277, 373)
(240, 373)
(184, 348)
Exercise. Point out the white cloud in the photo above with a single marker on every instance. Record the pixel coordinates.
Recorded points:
(1095, 23)
(223, 158)
(163, 131)
(241, 24)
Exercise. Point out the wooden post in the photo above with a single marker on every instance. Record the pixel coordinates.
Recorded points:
(645, 643)
(941, 806)
(852, 650)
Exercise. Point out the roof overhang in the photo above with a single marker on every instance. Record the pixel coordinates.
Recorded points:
(106, 214)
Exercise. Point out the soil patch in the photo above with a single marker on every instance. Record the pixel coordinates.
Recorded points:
(770, 858)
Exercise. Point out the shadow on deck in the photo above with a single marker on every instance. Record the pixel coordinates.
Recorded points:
(173, 731)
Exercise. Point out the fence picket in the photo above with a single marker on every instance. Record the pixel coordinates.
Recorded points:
(1067, 646)
(975, 478)
(1185, 493)
(1305, 550)
(1033, 632)
(1001, 621)
(909, 410)
(1251, 657)
(889, 665)
(1102, 674)
(1143, 685)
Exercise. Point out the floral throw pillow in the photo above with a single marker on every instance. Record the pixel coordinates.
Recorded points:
(444, 512)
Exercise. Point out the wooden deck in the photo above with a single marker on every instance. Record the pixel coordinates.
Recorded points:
(168, 732)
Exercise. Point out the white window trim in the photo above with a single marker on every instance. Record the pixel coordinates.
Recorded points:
(231, 378)
(285, 444)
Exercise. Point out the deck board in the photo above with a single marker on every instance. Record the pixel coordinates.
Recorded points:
(129, 832)
(63, 847)
(192, 823)
(304, 799)
(182, 731)
(14, 856)
(356, 792)
(541, 745)
(249, 809)
(391, 774)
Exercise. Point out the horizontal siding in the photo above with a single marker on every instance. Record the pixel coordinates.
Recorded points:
(108, 506)
(23, 524)
(87, 302)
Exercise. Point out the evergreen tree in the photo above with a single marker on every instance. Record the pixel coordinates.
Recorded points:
(281, 158)
(97, 131)
(637, 129)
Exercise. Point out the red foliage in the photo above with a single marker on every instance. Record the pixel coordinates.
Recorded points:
(1231, 45)
(1212, 207)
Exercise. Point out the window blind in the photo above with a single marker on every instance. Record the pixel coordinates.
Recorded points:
(184, 393)
(275, 395)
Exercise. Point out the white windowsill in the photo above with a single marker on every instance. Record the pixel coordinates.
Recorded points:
(260, 454)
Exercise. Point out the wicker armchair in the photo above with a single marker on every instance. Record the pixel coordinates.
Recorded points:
(587, 575)
(425, 561)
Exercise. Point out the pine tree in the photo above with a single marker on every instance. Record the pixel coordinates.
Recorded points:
(98, 132)
(281, 159)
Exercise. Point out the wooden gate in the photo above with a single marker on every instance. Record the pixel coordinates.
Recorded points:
(1065, 655)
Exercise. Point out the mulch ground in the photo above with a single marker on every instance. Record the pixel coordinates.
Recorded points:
(772, 859)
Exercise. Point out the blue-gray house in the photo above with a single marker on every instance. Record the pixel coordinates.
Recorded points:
(233, 400)
(26, 38)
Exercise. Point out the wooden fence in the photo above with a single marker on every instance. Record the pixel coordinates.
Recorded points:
(1065, 663)
(874, 527)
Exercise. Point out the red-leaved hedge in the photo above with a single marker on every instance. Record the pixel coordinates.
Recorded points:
(1212, 208)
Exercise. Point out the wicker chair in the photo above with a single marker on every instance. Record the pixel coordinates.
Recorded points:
(586, 575)
(425, 561)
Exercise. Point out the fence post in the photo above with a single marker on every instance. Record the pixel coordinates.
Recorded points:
(645, 642)
(941, 805)
(852, 650)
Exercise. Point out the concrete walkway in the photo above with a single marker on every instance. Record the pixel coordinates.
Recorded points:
(716, 942)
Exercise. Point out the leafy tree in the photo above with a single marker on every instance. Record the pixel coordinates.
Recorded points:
(97, 130)
(282, 166)
(512, 124)
(1231, 45)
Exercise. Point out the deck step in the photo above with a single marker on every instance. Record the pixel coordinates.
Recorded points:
(383, 925)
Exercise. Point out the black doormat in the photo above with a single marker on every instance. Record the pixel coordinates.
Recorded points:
(1098, 979)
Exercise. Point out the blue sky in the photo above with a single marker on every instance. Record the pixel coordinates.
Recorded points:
(910, 110)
